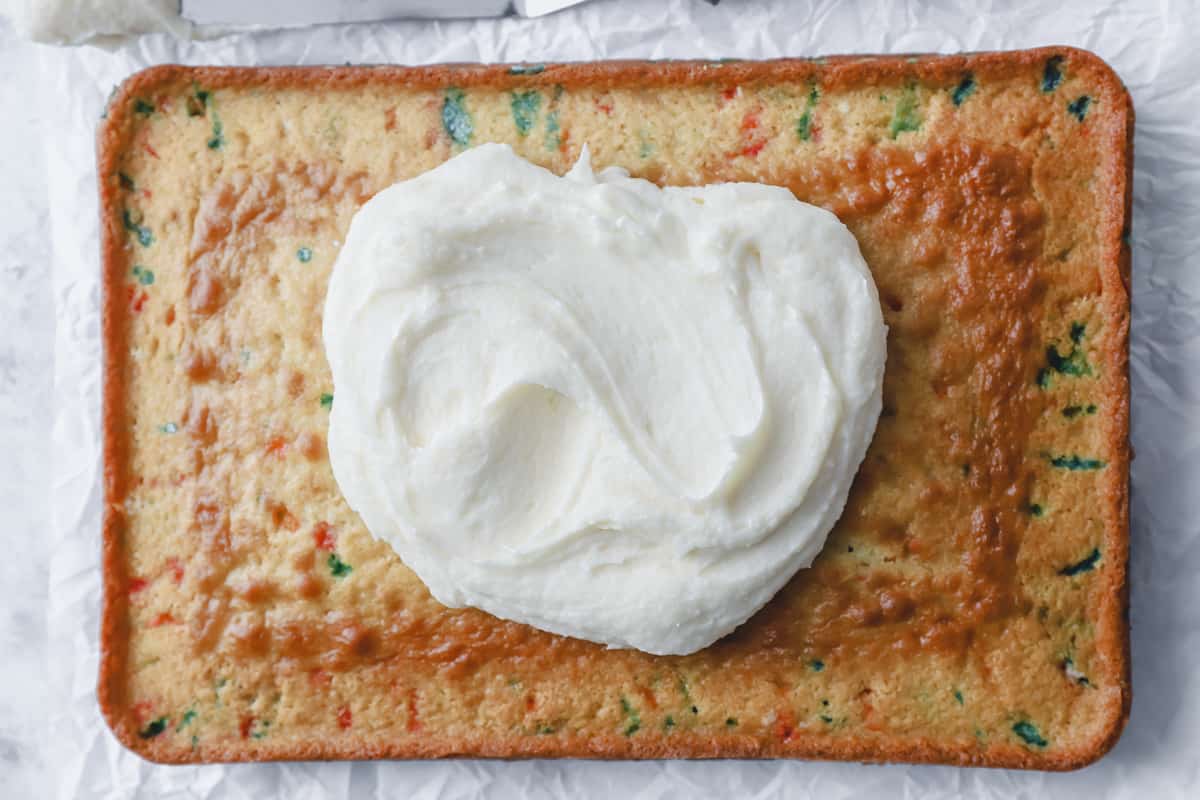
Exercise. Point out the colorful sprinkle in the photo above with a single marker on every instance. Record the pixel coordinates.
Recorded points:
(965, 88)
(633, 720)
(553, 135)
(218, 137)
(142, 107)
(168, 427)
(323, 537)
(907, 116)
(1078, 108)
(804, 125)
(1086, 565)
(1052, 76)
(188, 717)
(526, 69)
(304, 254)
(456, 120)
(958, 696)
(337, 567)
(326, 400)
(1070, 412)
(133, 224)
(144, 275)
(1029, 734)
(731, 722)
(525, 107)
(126, 182)
(1076, 463)
(817, 665)
(154, 728)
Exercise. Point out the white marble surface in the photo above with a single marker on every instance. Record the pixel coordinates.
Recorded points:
(52, 742)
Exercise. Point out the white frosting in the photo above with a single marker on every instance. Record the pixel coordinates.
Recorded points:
(608, 410)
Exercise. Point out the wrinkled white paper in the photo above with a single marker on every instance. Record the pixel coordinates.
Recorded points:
(1152, 47)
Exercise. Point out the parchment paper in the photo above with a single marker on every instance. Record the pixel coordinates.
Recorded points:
(1151, 45)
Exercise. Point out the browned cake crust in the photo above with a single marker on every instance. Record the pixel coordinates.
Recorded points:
(969, 608)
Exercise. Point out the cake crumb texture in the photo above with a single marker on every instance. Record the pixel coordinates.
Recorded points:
(968, 608)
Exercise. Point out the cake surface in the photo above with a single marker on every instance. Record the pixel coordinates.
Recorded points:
(970, 605)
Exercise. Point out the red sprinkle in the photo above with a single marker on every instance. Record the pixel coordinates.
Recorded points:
(136, 299)
(785, 725)
(606, 106)
(277, 446)
(530, 702)
(730, 93)
(414, 720)
(319, 677)
(244, 726)
(389, 119)
(164, 618)
(150, 150)
(141, 710)
(323, 536)
(137, 584)
(176, 570)
(170, 316)
(344, 717)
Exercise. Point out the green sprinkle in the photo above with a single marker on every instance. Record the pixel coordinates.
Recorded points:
(731, 722)
(668, 723)
(144, 236)
(1070, 412)
(186, 719)
(646, 149)
(1076, 463)
(525, 107)
(304, 254)
(826, 719)
(804, 124)
(1035, 510)
(169, 427)
(337, 567)
(144, 276)
(1052, 76)
(553, 139)
(261, 733)
(543, 730)
(195, 741)
(456, 120)
(1078, 107)
(1029, 734)
(907, 117)
(142, 107)
(526, 69)
(958, 696)
(154, 728)
(1086, 565)
(126, 182)
(326, 400)
(197, 104)
(965, 88)
(634, 719)
(1074, 364)
(817, 665)
(218, 136)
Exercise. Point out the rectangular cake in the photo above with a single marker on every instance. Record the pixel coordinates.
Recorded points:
(968, 608)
